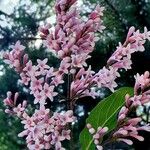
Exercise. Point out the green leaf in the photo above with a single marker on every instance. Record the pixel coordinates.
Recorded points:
(104, 115)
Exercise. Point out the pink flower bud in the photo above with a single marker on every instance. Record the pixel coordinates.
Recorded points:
(9, 94)
(92, 130)
(140, 138)
(8, 111)
(129, 142)
(96, 142)
(89, 126)
(99, 147)
(16, 97)
(130, 32)
(134, 121)
(24, 104)
(96, 136)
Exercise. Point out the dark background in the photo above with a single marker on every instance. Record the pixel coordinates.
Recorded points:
(22, 22)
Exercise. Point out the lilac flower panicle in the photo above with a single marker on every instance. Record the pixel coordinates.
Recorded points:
(129, 127)
(73, 40)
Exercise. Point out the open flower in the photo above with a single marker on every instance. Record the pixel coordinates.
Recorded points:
(49, 91)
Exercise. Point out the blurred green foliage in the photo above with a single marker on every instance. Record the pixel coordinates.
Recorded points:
(9, 128)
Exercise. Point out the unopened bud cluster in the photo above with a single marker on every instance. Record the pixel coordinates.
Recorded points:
(97, 135)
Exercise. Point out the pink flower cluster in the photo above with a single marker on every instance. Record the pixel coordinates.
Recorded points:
(97, 135)
(36, 76)
(41, 130)
(67, 40)
(45, 132)
(73, 44)
(142, 83)
(121, 59)
(11, 103)
(72, 39)
(129, 127)
(86, 82)
(80, 33)
(135, 41)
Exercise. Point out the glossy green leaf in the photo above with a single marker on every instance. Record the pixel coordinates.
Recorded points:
(104, 115)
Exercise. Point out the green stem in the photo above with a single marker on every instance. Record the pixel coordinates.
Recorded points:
(70, 107)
